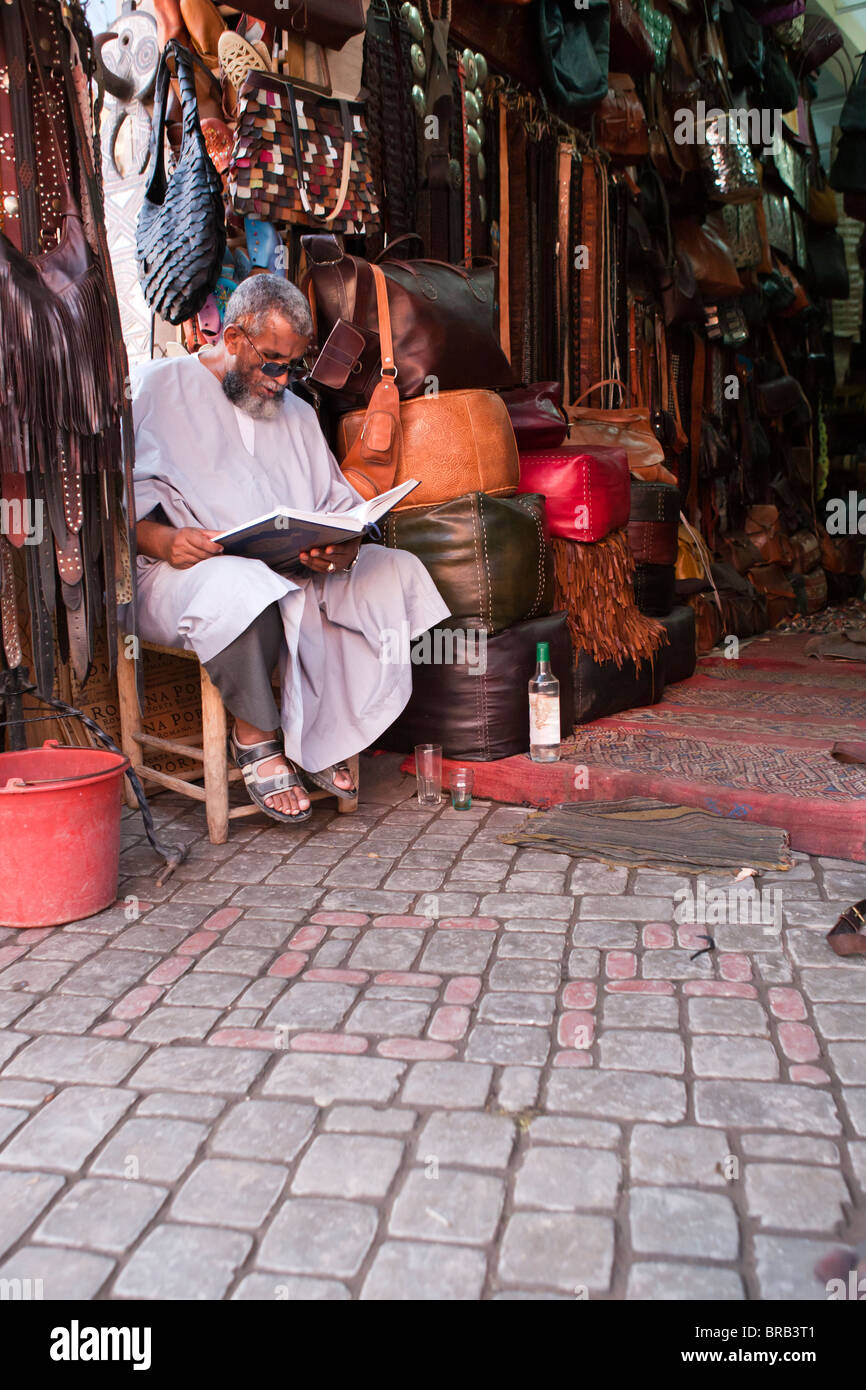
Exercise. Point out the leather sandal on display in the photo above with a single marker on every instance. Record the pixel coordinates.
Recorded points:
(239, 58)
(248, 760)
(204, 24)
(324, 780)
(264, 246)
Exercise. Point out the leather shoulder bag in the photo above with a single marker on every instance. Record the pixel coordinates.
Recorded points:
(330, 23)
(620, 121)
(181, 233)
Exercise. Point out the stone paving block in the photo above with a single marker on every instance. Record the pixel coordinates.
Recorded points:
(234, 960)
(583, 965)
(786, 1268)
(110, 973)
(35, 976)
(590, 1134)
(261, 993)
(677, 1221)
(792, 1196)
(470, 1140)
(366, 900)
(529, 946)
(641, 1049)
(229, 1192)
(846, 984)
(386, 949)
(189, 1263)
(808, 914)
(319, 1235)
(524, 976)
(93, 1061)
(566, 1179)
(415, 1271)
(60, 946)
(149, 936)
(639, 1011)
(324, 1079)
(230, 1070)
(166, 1025)
(261, 1288)
(629, 908)
(10, 1043)
(10, 1120)
(517, 1008)
(316, 1006)
(675, 965)
(348, 1165)
(264, 1129)
(774, 969)
(589, 876)
(808, 947)
(12, 1004)
(332, 954)
(206, 991)
(790, 1147)
(620, 1095)
(557, 906)
(258, 934)
(535, 883)
(652, 1280)
(518, 1088)
(746, 1016)
(66, 1131)
(181, 1107)
(73, 1013)
(832, 1020)
(508, 1044)
(452, 1207)
(364, 1119)
(23, 1196)
(365, 873)
(682, 1155)
(68, 1275)
(751, 1058)
(849, 1060)
(605, 936)
(558, 1249)
(457, 953)
(389, 1016)
(27, 1094)
(847, 887)
(554, 927)
(857, 1153)
(447, 1085)
(765, 1105)
(158, 1150)
(101, 1214)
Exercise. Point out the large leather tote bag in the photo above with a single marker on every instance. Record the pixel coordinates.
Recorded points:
(489, 557)
(627, 428)
(330, 23)
(442, 321)
(181, 234)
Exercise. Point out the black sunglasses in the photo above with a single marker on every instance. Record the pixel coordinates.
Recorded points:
(274, 369)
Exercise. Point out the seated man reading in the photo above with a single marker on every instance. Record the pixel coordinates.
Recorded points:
(219, 440)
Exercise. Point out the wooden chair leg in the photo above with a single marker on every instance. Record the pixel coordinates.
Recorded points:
(130, 717)
(216, 783)
(343, 806)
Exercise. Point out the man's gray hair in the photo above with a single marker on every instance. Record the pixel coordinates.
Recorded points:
(260, 296)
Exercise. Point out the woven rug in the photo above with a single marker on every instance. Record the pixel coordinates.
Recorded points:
(639, 832)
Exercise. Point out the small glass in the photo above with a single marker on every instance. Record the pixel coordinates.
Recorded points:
(428, 770)
(462, 779)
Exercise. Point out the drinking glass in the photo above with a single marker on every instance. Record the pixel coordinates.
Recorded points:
(428, 770)
(462, 779)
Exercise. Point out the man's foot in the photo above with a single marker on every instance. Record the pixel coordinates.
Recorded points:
(336, 779)
(293, 801)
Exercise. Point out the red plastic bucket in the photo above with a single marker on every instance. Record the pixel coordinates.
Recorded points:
(59, 833)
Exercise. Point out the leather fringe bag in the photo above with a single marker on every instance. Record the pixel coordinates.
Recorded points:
(455, 442)
(181, 234)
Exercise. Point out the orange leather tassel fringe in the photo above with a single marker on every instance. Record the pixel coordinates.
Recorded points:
(594, 583)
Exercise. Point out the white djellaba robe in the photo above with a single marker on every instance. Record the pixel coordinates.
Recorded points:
(340, 690)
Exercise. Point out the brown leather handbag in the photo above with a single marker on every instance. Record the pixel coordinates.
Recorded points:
(623, 428)
(330, 23)
(631, 47)
(711, 258)
(620, 121)
(453, 442)
(442, 321)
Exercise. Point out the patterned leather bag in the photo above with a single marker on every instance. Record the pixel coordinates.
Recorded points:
(301, 157)
(181, 234)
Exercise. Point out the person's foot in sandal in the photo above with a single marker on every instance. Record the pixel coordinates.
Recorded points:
(336, 779)
(270, 778)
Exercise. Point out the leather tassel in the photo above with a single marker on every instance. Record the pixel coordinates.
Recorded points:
(594, 583)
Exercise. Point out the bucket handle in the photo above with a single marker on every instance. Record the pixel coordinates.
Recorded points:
(16, 782)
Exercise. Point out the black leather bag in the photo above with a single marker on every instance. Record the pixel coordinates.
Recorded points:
(481, 716)
(779, 91)
(680, 657)
(828, 268)
(602, 688)
(181, 233)
(654, 589)
(574, 50)
(489, 557)
(744, 44)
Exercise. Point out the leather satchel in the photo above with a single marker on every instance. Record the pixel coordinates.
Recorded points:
(453, 442)
(587, 493)
(740, 551)
(628, 428)
(711, 259)
(620, 121)
(489, 557)
(442, 320)
(772, 581)
(631, 46)
(764, 528)
(181, 232)
(806, 551)
(330, 23)
(536, 414)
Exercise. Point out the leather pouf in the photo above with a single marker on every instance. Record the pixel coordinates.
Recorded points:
(485, 716)
(653, 533)
(488, 556)
(587, 490)
(680, 657)
(602, 688)
(654, 589)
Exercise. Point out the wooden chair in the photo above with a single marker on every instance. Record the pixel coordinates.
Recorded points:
(212, 753)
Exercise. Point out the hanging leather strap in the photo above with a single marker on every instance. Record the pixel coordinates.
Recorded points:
(504, 233)
(697, 416)
(302, 168)
(564, 262)
(371, 463)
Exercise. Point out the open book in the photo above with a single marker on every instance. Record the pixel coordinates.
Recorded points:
(280, 537)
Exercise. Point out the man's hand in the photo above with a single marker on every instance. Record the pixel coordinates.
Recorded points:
(188, 545)
(331, 558)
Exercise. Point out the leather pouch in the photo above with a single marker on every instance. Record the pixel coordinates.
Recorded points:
(343, 357)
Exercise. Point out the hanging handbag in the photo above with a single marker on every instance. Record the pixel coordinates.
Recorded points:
(536, 415)
(779, 87)
(631, 45)
(725, 158)
(181, 232)
(822, 199)
(711, 259)
(622, 428)
(587, 494)
(489, 557)
(620, 121)
(737, 225)
(442, 321)
(453, 442)
(301, 157)
(780, 228)
(828, 267)
(574, 50)
(821, 39)
(329, 23)
(848, 174)
(744, 43)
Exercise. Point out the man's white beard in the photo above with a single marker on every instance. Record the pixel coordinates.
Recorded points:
(259, 407)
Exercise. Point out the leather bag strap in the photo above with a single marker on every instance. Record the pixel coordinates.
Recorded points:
(299, 163)
(699, 363)
(504, 232)
(371, 464)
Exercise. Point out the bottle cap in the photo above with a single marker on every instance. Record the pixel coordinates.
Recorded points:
(542, 651)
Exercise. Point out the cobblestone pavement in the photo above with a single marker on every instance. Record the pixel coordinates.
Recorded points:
(388, 1056)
